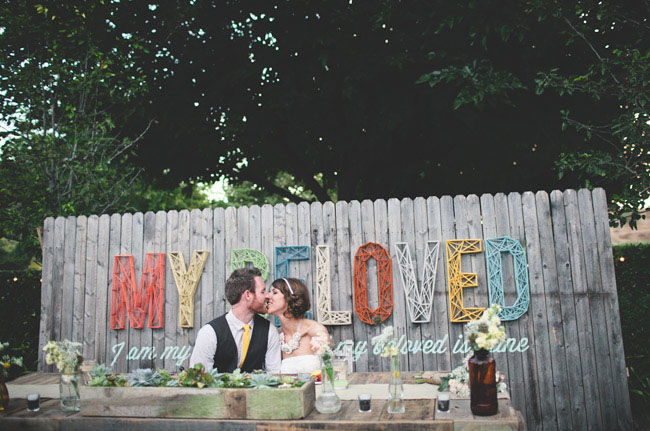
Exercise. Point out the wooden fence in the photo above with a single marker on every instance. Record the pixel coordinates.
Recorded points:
(572, 376)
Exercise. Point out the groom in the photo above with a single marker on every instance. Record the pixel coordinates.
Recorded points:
(240, 338)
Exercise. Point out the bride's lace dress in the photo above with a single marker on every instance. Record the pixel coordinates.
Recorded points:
(300, 364)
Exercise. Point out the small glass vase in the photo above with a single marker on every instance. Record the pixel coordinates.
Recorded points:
(327, 401)
(69, 390)
(395, 388)
(4, 393)
(482, 384)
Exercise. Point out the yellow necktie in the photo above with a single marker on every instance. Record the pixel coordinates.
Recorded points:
(247, 340)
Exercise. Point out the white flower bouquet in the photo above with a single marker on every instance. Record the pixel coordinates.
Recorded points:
(389, 350)
(487, 332)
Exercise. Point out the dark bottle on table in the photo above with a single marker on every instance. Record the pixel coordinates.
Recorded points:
(482, 384)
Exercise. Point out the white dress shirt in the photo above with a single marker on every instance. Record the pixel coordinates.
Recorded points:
(206, 344)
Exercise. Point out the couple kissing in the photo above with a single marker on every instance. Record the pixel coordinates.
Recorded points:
(243, 339)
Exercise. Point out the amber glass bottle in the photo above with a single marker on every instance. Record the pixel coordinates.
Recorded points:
(483, 384)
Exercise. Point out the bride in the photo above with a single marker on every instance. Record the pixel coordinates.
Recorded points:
(289, 301)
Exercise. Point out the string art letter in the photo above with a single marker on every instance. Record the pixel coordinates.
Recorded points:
(283, 255)
(458, 280)
(186, 282)
(419, 300)
(324, 291)
(384, 279)
(239, 258)
(493, 249)
(137, 302)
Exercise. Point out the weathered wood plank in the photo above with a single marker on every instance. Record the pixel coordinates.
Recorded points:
(448, 230)
(569, 321)
(47, 291)
(267, 239)
(356, 241)
(171, 294)
(611, 316)
(537, 312)
(398, 321)
(562, 407)
(114, 244)
(230, 234)
(344, 264)
(206, 288)
(597, 308)
(184, 232)
(89, 289)
(103, 292)
(122, 335)
(148, 246)
(304, 266)
(57, 280)
(137, 248)
(414, 333)
(382, 237)
(221, 271)
(583, 315)
(496, 226)
(196, 243)
(160, 243)
(368, 235)
(291, 235)
(67, 287)
(528, 358)
(440, 318)
(79, 278)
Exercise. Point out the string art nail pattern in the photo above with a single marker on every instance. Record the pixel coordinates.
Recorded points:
(384, 279)
(284, 255)
(493, 249)
(148, 297)
(419, 300)
(187, 279)
(239, 258)
(324, 291)
(458, 280)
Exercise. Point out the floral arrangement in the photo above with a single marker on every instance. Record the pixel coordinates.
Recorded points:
(320, 345)
(7, 361)
(487, 332)
(457, 382)
(389, 350)
(196, 377)
(64, 354)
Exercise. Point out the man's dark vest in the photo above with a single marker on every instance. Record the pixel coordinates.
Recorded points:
(225, 358)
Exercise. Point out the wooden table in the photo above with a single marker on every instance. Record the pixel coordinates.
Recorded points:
(420, 415)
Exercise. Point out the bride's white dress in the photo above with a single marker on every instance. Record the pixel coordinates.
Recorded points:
(300, 364)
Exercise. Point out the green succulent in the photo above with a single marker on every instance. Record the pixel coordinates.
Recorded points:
(144, 377)
(236, 379)
(101, 375)
(263, 381)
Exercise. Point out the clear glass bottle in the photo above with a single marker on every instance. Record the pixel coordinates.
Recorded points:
(327, 401)
(395, 388)
(69, 390)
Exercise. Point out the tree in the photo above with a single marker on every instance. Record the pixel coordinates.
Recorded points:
(333, 95)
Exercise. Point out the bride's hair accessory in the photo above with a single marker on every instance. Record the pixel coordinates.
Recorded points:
(288, 285)
(293, 343)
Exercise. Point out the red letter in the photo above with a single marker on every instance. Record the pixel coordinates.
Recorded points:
(384, 279)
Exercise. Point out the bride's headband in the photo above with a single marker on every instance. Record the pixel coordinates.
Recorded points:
(288, 285)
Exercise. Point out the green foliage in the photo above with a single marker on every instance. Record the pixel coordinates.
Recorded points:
(20, 299)
(101, 375)
(7, 362)
(633, 285)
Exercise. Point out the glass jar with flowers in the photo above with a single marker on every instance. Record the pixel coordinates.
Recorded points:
(6, 361)
(68, 361)
(327, 401)
(388, 344)
(484, 335)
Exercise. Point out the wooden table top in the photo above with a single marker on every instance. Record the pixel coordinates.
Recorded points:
(420, 415)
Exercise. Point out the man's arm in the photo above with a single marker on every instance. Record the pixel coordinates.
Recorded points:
(204, 348)
(273, 357)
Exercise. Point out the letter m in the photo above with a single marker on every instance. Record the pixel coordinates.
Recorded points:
(149, 297)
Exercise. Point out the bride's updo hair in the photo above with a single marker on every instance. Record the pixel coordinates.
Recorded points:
(295, 294)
